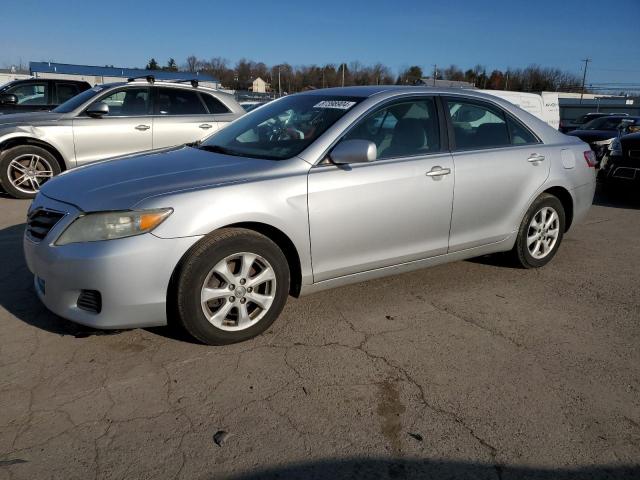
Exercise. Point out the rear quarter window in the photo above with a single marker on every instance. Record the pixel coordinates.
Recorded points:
(213, 104)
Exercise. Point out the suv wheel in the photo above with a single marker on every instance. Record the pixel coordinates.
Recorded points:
(25, 168)
(231, 286)
(540, 232)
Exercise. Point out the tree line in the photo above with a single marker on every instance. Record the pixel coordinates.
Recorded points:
(286, 78)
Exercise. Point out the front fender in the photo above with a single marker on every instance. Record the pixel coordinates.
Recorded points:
(279, 202)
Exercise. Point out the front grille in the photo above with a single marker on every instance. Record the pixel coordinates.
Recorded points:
(635, 154)
(90, 300)
(40, 222)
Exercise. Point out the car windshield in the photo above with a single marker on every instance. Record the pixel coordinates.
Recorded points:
(281, 129)
(604, 123)
(74, 102)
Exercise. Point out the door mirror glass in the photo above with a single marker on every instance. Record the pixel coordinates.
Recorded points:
(98, 110)
(354, 151)
(8, 99)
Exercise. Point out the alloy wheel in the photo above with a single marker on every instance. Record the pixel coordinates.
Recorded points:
(238, 291)
(543, 232)
(28, 172)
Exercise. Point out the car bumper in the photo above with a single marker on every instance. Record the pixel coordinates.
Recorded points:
(582, 200)
(131, 275)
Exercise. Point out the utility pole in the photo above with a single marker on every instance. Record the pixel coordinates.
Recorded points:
(435, 74)
(506, 85)
(279, 85)
(584, 76)
(343, 74)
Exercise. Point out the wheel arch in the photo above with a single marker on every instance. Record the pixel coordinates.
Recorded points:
(277, 236)
(285, 244)
(566, 199)
(20, 141)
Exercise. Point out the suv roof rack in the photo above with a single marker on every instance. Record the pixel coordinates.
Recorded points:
(194, 83)
(150, 78)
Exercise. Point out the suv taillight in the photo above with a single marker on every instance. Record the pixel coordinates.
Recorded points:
(590, 158)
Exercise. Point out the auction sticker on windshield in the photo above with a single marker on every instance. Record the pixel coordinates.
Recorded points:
(339, 104)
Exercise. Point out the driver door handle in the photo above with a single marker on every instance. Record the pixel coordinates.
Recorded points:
(438, 171)
(535, 158)
(205, 126)
(142, 128)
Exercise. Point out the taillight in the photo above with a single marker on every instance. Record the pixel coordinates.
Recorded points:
(590, 158)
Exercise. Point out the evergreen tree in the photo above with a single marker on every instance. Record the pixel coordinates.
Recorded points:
(152, 65)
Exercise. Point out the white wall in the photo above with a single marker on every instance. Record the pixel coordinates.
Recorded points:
(9, 77)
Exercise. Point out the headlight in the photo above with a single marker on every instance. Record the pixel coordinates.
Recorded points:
(604, 142)
(616, 147)
(94, 227)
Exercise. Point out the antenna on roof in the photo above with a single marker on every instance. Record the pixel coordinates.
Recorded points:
(149, 78)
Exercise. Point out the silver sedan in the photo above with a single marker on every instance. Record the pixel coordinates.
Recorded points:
(309, 192)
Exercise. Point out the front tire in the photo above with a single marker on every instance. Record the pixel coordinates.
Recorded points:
(540, 232)
(25, 168)
(231, 286)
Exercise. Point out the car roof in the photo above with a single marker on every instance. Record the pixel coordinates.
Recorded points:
(368, 91)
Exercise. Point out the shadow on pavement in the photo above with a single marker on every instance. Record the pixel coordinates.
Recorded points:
(436, 470)
(18, 296)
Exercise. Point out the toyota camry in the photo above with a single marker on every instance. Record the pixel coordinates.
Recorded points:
(312, 191)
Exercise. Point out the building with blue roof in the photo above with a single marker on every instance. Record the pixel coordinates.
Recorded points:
(95, 75)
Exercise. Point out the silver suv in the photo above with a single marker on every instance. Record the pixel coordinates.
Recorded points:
(107, 121)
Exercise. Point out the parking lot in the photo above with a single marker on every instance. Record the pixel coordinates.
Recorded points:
(470, 370)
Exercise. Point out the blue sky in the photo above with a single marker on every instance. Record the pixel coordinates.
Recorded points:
(400, 33)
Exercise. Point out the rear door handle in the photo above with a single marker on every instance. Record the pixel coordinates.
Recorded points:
(142, 128)
(205, 126)
(438, 171)
(535, 158)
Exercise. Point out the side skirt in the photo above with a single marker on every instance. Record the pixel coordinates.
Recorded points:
(501, 246)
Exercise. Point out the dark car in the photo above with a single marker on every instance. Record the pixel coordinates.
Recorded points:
(599, 133)
(567, 126)
(622, 164)
(36, 94)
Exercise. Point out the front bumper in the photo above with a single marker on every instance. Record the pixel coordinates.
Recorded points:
(132, 274)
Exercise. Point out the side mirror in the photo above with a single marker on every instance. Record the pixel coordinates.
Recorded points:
(8, 99)
(97, 110)
(354, 151)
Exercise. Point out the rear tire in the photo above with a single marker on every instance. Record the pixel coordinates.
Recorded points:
(540, 232)
(231, 286)
(25, 168)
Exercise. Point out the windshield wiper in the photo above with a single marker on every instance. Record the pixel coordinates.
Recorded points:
(218, 149)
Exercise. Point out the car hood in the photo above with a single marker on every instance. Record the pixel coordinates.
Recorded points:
(121, 183)
(593, 135)
(29, 118)
(631, 139)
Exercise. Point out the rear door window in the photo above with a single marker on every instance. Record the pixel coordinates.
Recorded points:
(519, 134)
(177, 101)
(477, 125)
(66, 91)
